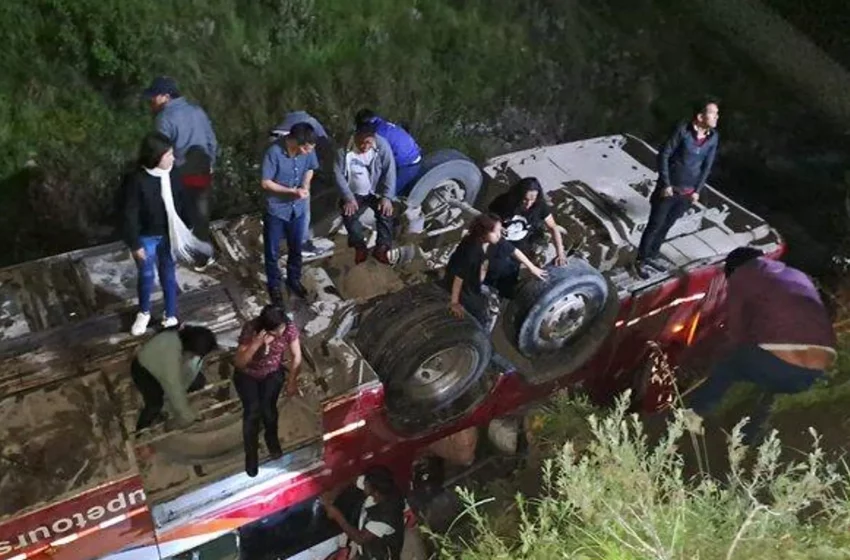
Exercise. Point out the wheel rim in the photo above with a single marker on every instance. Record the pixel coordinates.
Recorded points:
(436, 210)
(563, 319)
(441, 372)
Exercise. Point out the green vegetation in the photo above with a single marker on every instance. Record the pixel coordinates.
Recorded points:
(608, 493)
(481, 76)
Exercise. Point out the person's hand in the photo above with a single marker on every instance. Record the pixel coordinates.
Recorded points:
(560, 259)
(539, 273)
(349, 208)
(302, 193)
(385, 207)
(694, 196)
(456, 309)
(667, 192)
(291, 386)
(139, 254)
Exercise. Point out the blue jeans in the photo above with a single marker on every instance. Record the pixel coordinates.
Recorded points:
(405, 175)
(274, 229)
(755, 365)
(157, 259)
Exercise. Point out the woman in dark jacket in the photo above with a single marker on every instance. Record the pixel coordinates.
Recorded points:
(525, 215)
(155, 230)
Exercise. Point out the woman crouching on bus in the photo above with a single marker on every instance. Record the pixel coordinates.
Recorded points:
(260, 376)
(475, 261)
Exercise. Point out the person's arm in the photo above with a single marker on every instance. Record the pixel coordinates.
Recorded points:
(707, 163)
(360, 536)
(341, 177)
(131, 213)
(312, 165)
(552, 226)
(667, 151)
(454, 305)
(294, 361)
(269, 171)
(526, 262)
(249, 344)
(164, 125)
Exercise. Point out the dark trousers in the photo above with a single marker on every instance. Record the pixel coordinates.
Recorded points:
(274, 229)
(753, 364)
(664, 212)
(503, 271)
(475, 303)
(199, 198)
(259, 404)
(384, 224)
(406, 176)
(152, 394)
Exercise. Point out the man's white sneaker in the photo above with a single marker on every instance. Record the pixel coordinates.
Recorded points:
(202, 267)
(140, 325)
(168, 322)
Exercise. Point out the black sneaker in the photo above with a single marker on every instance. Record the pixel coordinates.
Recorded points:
(641, 270)
(659, 264)
(297, 289)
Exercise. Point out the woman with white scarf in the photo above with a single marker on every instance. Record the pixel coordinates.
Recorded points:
(155, 228)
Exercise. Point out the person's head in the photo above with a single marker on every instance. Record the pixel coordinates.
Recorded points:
(739, 257)
(196, 340)
(485, 228)
(378, 482)
(527, 191)
(706, 113)
(364, 137)
(273, 319)
(162, 90)
(301, 138)
(364, 116)
(156, 151)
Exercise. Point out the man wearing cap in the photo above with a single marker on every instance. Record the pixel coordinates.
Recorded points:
(780, 333)
(190, 131)
(323, 151)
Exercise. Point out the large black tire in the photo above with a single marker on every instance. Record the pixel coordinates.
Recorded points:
(434, 367)
(560, 323)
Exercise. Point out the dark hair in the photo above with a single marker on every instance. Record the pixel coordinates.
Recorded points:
(739, 257)
(154, 145)
(381, 479)
(700, 106)
(272, 317)
(525, 185)
(364, 116)
(365, 130)
(302, 134)
(481, 226)
(197, 340)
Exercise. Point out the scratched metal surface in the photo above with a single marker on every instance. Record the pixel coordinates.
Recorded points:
(68, 407)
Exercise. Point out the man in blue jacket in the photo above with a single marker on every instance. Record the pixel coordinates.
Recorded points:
(683, 167)
(190, 131)
(406, 152)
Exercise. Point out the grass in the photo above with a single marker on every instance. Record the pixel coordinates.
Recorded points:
(628, 496)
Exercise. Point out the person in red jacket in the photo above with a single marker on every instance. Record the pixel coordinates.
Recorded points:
(781, 336)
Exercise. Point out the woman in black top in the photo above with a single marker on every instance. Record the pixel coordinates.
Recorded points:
(525, 214)
(468, 265)
(155, 227)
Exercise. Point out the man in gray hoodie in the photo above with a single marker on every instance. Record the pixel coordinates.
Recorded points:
(190, 131)
(365, 175)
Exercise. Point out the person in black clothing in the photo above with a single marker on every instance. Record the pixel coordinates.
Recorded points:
(468, 268)
(379, 532)
(525, 215)
(155, 213)
(684, 164)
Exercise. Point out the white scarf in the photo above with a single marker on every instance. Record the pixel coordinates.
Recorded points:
(184, 245)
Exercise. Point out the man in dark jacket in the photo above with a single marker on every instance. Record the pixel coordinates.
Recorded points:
(780, 333)
(683, 167)
(190, 131)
